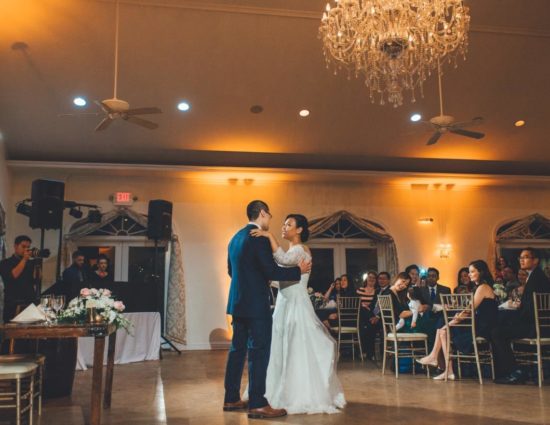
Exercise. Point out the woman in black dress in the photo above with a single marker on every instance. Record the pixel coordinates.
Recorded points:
(486, 318)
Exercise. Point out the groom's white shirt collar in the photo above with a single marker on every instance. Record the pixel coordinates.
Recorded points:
(255, 224)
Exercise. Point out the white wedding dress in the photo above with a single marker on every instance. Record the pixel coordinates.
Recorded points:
(301, 376)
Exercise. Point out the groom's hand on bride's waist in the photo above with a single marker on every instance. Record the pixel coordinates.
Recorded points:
(305, 266)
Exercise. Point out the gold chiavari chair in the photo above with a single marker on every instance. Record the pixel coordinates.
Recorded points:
(400, 344)
(348, 323)
(542, 338)
(463, 304)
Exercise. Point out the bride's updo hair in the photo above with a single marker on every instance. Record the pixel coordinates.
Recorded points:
(301, 221)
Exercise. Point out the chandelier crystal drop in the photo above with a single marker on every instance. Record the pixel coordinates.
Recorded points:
(395, 44)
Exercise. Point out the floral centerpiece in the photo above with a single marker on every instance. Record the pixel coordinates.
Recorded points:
(317, 299)
(108, 309)
(500, 290)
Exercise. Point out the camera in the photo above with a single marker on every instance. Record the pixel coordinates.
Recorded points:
(39, 253)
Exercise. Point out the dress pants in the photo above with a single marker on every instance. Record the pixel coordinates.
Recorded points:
(252, 335)
(501, 337)
(367, 331)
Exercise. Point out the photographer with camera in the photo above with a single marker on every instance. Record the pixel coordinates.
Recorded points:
(18, 275)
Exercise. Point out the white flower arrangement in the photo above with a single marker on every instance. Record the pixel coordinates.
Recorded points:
(104, 303)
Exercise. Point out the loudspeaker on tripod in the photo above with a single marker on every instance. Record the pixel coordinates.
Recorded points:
(48, 197)
(159, 220)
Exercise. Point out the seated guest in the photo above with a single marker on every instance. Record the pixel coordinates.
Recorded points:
(522, 325)
(431, 296)
(18, 276)
(368, 291)
(431, 293)
(346, 290)
(486, 311)
(102, 272)
(500, 265)
(464, 284)
(75, 275)
(414, 272)
(510, 278)
(374, 324)
(334, 290)
(367, 295)
(400, 307)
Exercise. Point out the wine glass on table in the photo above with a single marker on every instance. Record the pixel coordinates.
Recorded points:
(58, 302)
(45, 306)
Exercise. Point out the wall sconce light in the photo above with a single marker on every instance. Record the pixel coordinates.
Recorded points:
(248, 182)
(426, 220)
(444, 250)
(232, 181)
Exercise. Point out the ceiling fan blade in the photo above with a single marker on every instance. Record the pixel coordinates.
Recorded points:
(140, 121)
(82, 114)
(143, 111)
(467, 133)
(435, 137)
(472, 122)
(105, 122)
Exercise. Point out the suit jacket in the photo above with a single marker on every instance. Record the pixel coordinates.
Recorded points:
(374, 307)
(537, 282)
(251, 266)
(440, 289)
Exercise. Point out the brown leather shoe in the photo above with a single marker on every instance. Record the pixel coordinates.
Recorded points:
(266, 412)
(232, 407)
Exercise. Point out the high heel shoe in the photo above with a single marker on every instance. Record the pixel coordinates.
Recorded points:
(426, 362)
(450, 377)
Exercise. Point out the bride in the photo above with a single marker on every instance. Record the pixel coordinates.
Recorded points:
(301, 376)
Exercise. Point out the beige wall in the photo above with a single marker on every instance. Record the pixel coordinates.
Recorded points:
(208, 209)
(4, 176)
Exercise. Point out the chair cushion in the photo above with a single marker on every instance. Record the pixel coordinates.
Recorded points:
(33, 358)
(532, 341)
(16, 368)
(345, 329)
(408, 336)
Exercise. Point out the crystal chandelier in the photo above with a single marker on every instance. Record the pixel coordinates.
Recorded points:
(395, 44)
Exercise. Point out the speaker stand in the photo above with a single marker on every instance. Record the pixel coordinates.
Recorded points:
(160, 302)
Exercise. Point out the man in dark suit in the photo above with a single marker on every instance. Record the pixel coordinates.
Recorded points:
(75, 275)
(251, 267)
(522, 325)
(431, 293)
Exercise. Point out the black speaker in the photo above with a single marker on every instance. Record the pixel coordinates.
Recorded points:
(48, 197)
(159, 220)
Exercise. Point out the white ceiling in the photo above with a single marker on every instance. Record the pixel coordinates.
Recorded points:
(225, 56)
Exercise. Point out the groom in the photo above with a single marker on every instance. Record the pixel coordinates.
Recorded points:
(251, 267)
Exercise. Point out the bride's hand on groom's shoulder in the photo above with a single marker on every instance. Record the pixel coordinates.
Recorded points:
(259, 232)
(305, 266)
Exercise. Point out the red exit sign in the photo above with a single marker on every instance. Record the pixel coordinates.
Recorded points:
(123, 198)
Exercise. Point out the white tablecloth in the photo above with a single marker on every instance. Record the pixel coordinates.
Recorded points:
(143, 344)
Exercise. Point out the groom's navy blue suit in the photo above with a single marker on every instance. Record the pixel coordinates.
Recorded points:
(251, 267)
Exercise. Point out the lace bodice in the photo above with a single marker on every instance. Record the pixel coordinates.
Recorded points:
(292, 258)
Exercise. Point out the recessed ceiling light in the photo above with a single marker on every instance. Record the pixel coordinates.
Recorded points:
(304, 113)
(416, 117)
(80, 101)
(256, 109)
(519, 123)
(184, 106)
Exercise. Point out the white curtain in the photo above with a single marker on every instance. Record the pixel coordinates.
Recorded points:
(176, 328)
(372, 231)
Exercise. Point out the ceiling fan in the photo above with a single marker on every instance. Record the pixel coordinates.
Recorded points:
(446, 123)
(115, 108)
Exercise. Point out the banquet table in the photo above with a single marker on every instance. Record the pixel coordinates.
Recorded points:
(99, 332)
(141, 344)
